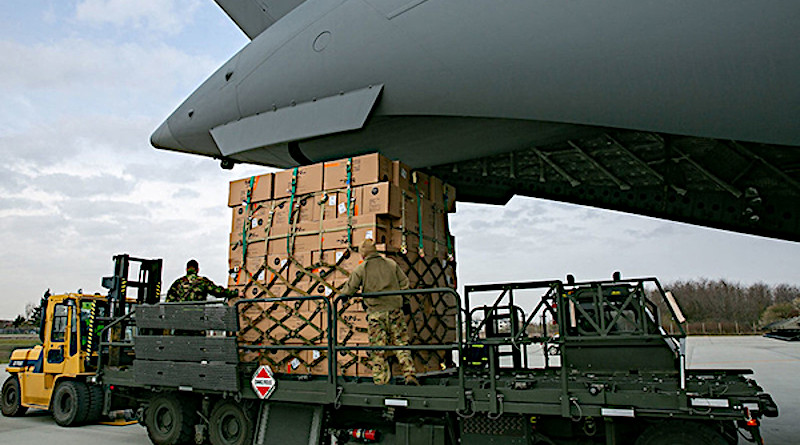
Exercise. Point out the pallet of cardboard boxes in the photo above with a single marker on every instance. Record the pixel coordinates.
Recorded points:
(293, 233)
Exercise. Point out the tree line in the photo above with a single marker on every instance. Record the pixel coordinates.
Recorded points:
(715, 303)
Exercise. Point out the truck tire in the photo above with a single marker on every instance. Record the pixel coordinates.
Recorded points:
(96, 399)
(229, 424)
(170, 420)
(680, 433)
(11, 402)
(70, 403)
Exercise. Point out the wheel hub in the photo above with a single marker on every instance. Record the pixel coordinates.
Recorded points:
(231, 428)
(65, 404)
(164, 420)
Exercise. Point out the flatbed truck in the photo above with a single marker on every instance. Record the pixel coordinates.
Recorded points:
(607, 372)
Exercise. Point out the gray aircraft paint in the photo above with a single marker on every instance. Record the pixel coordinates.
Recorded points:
(678, 110)
(713, 69)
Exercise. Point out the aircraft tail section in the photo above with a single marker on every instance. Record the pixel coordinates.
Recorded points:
(254, 16)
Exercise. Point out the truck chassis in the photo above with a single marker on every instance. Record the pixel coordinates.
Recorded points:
(611, 375)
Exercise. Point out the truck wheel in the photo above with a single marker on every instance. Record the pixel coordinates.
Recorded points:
(170, 420)
(11, 402)
(229, 424)
(680, 433)
(70, 403)
(96, 400)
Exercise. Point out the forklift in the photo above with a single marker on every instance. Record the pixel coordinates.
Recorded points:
(60, 374)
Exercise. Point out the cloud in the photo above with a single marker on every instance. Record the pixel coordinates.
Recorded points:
(84, 185)
(162, 16)
(20, 204)
(75, 66)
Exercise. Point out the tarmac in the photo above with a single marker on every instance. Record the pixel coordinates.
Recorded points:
(776, 366)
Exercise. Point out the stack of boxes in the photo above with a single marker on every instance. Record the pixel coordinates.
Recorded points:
(293, 234)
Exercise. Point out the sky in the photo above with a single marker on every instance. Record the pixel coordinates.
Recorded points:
(84, 83)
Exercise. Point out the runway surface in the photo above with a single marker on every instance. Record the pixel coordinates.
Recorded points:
(776, 366)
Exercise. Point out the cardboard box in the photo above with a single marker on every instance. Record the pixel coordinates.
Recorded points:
(352, 327)
(344, 258)
(420, 183)
(237, 278)
(381, 198)
(256, 220)
(237, 253)
(309, 180)
(325, 262)
(408, 216)
(349, 363)
(401, 176)
(317, 361)
(296, 273)
(278, 262)
(284, 361)
(373, 227)
(366, 169)
(330, 204)
(306, 238)
(240, 189)
(281, 211)
(310, 208)
(295, 327)
(427, 216)
(443, 194)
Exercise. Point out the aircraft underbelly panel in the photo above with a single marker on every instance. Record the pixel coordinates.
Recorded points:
(329, 115)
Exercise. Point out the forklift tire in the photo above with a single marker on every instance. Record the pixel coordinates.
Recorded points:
(680, 433)
(229, 424)
(170, 420)
(11, 402)
(96, 400)
(70, 403)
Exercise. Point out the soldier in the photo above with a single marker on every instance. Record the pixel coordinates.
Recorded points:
(386, 322)
(193, 287)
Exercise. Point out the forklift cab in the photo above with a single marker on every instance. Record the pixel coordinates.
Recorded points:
(77, 339)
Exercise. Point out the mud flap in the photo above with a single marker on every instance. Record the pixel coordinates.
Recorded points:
(288, 424)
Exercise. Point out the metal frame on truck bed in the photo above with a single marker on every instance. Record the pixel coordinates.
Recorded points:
(609, 373)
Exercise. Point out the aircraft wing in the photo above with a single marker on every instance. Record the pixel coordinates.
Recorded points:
(254, 16)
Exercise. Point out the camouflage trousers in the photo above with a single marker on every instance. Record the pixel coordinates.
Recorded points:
(388, 328)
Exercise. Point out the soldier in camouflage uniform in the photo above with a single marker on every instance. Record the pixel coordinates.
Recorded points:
(386, 322)
(193, 287)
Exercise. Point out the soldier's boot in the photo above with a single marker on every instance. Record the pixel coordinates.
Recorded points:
(411, 381)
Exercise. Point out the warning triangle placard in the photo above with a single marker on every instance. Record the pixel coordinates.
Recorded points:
(263, 381)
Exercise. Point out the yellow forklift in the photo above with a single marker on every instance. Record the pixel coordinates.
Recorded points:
(59, 374)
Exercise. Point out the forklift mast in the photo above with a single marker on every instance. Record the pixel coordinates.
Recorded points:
(147, 284)
(148, 291)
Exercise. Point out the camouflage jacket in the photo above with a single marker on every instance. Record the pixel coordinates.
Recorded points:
(193, 287)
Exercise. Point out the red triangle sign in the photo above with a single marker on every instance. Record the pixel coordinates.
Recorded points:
(263, 382)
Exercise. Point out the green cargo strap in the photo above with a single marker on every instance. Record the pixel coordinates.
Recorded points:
(447, 225)
(403, 240)
(291, 210)
(246, 219)
(349, 194)
(419, 217)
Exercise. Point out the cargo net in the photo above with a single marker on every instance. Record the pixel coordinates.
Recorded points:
(431, 318)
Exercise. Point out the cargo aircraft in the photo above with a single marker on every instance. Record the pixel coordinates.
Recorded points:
(687, 111)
